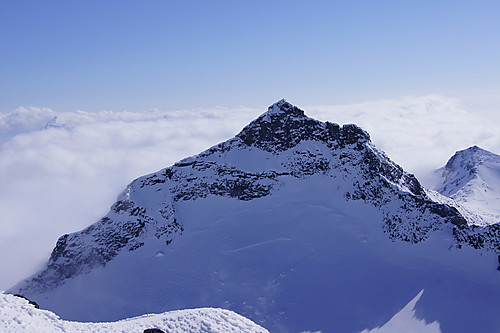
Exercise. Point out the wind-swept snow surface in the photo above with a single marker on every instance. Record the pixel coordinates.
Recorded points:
(17, 315)
(296, 224)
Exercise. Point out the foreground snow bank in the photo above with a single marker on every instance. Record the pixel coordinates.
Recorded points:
(17, 315)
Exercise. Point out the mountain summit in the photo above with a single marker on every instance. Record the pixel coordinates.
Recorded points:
(465, 166)
(472, 178)
(295, 223)
(284, 126)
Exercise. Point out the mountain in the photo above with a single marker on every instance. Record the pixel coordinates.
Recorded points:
(472, 179)
(297, 224)
(18, 315)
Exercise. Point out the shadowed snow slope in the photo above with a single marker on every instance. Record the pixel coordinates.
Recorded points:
(17, 315)
(297, 224)
(472, 178)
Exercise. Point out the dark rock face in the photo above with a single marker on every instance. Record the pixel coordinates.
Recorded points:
(487, 237)
(198, 179)
(285, 126)
(122, 229)
(153, 330)
(35, 304)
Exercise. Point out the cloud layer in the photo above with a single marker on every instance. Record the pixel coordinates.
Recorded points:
(60, 171)
(419, 133)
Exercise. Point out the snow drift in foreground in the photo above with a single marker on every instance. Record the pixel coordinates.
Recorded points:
(18, 315)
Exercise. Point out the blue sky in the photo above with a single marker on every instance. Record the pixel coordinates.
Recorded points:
(138, 55)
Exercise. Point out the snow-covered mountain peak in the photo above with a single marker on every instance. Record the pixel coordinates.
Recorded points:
(282, 106)
(471, 177)
(284, 126)
(469, 160)
(283, 219)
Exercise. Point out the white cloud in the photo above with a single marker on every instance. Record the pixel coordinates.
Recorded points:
(57, 180)
(62, 177)
(419, 133)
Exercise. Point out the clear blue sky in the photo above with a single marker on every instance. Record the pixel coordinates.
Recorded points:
(137, 55)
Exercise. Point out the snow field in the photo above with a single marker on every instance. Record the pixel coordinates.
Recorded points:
(17, 315)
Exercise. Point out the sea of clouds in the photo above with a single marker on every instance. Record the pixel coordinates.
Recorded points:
(61, 171)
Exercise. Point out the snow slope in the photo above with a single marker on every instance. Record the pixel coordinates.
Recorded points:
(296, 224)
(472, 179)
(405, 322)
(17, 315)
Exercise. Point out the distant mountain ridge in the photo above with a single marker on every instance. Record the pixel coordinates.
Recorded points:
(472, 179)
(279, 221)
